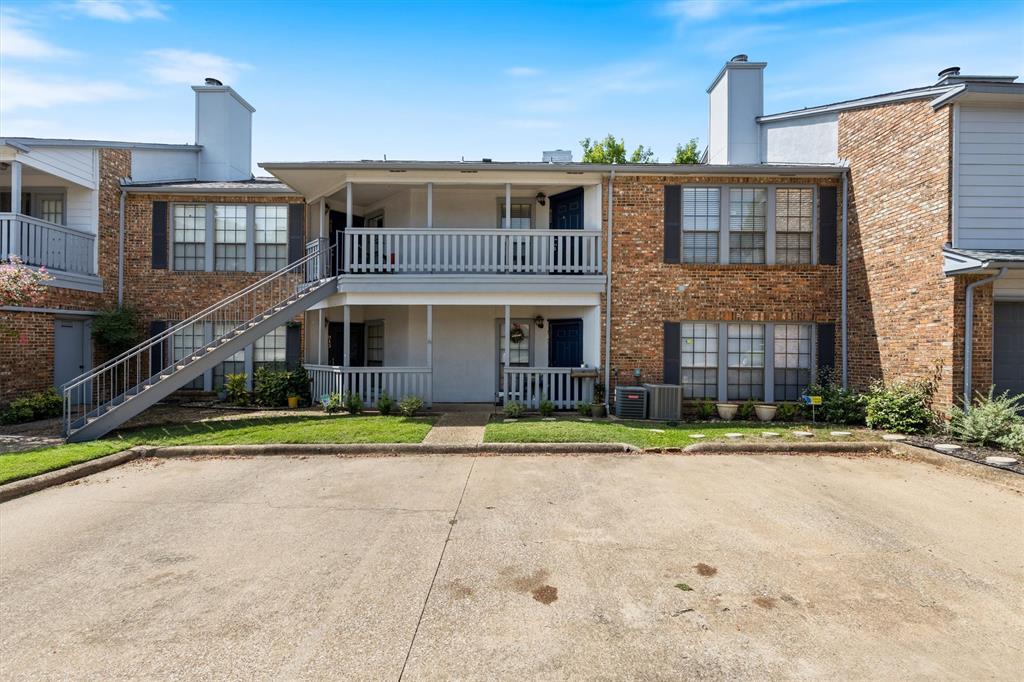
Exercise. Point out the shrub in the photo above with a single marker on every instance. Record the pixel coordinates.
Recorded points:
(746, 411)
(332, 404)
(599, 393)
(410, 405)
(353, 403)
(788, 412)
(271, 388)
(298, 383)
(238, 392)
(42, 405)
(705, 410)
(514, 409)
(989, 420)
(901, 406)
(1014, 439)
(385, 405)
(583, 408)
(547, 408)
(838, 405)
(116, 330)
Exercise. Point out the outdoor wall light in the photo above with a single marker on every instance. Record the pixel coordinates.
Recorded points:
(539, 321)
(541, 198)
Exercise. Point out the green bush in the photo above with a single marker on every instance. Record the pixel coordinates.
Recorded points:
(900, 406)
(353, 403)
(988, 421)
(235, 387)
(1014, 439)
(332, 405)
(547, 408)
(746, 411)
(838, 405)
(583, 408)
(41, 405)
(271, 387)
(514, 409)
(705, 410)
(116, 330)
(788, 412)
(298, 383)
(410, 405)
(385, 405)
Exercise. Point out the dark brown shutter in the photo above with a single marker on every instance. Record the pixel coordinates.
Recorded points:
(827, 225)
(296, 231)
(293, 346)
(159, 235)
(156, 353)
(671, 353)
(826, 347)
(673, 216)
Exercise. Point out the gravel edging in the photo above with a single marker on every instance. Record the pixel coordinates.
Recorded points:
(24, 486)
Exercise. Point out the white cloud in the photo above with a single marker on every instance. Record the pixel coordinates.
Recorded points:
(705, 10)
(124, 11)
(522, 71)
(18, 41)
(187, 67)
(21, 91)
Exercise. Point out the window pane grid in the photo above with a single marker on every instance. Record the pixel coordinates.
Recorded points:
(184, 343)
(701, 223)
(745, 366)
(233, 365)
(794, 225)
(792, 360)
(520, 353)
(375, 344)
(270, 350)
(189, 237)
(271, 237)
(748, 209)
(698, 372)
(229, 228)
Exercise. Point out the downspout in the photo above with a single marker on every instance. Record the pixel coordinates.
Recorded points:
(608, 293)
(120, 249)
(969, 334)
(844, 352)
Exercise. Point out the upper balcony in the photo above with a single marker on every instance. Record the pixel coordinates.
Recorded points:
(42, 243)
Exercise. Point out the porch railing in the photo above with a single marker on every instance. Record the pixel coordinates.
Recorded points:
(418, 251)
(42, 243)
(531, 385)
(371, 382)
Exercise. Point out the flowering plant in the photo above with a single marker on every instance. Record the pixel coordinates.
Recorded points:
(19, 284)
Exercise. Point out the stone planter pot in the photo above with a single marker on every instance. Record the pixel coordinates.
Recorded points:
(765, 413)
(727, 411)
(598, 410)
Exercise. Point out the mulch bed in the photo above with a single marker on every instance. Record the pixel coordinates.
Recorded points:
(972, 453)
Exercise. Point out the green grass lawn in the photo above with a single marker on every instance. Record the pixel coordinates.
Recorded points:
(270, 430)
(646, 434)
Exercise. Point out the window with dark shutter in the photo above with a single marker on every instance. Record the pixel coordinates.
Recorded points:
(159, 241)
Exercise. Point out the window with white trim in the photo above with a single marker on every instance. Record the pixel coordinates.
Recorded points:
(189, 236)
(698, 366)
(522, 215)
(185, 342)
(270, 351)
(794, 224)
(51, 207)
(748, 224)
(229, 227)
(793, 360)
(701, 208)
(233, 365)
(271, 237)
(745, 367)
(375, 343)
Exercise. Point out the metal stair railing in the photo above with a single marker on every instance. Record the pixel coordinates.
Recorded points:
(119, 379)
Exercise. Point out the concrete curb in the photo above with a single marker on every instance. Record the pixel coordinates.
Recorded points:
(393, 449)
(1003, 477)
(863, 447)
(9, 491)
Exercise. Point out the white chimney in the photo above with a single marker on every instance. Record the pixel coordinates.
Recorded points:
(224, 129)
(736, 99)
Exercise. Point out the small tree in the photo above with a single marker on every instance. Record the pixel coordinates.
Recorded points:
(116, 329)
(20, 286)
(611, 150)
(687, 153)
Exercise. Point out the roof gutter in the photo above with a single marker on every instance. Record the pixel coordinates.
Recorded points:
(608, 291)
(969, 333)
(760, 169)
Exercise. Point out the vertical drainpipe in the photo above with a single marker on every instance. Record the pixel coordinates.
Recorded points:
(844, 331)
(120, 248)
(608, 293)
(969, 334)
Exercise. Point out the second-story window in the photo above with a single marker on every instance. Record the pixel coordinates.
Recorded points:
(794, 224)
(229, 237)
(51, 208)
(701, 208)
(748, 225)
(271, 238)
(190, 237)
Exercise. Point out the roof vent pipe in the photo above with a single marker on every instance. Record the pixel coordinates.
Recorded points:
(739, 58)
(949, 72)
(213, 81)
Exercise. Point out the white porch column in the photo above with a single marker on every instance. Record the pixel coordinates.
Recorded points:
(348, 206)
(320, 336)
(508, 206)
(430, 354)
(430, 204)
(507, 356)
(323, 218)
(15, 188)
(347, 312)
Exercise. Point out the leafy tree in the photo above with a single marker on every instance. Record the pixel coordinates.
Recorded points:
(611, 150)
(687, 153)
(116, 329)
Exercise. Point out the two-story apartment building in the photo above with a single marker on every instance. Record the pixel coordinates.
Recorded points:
(844, 236)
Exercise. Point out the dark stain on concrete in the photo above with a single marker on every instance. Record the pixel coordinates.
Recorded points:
(459, 591)
(765, 602)
(545, 594)
(706, 570)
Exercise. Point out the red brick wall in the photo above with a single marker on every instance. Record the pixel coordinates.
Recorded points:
(901, 306)
(645, 288)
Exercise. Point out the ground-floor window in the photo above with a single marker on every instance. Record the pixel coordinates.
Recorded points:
(792, 354)
(233, 365)
(375, 343)
(745, 376)
(184, 343)
(270, 351)
(699, 362)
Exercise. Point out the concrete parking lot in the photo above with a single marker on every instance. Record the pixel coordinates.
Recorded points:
(706, 567)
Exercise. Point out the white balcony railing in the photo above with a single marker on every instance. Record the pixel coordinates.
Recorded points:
(560, 385)
(371, 382)
(41, 243)
(422, 251)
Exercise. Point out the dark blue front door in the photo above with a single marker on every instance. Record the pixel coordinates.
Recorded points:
(567, 214)
(565, 343)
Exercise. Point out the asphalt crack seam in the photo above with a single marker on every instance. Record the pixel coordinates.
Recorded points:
(437, 569)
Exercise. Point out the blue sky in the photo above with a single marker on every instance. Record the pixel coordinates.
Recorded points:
(449, 80)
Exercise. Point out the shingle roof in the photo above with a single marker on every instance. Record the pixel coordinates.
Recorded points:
(253, 185)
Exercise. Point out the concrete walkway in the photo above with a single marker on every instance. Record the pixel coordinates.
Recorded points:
(461, 427)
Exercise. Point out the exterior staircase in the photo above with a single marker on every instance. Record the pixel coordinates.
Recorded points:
(109, 395)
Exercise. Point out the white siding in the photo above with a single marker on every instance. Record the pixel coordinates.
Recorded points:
(1010, 287)
(813, 139)
(150, 165)
(79, 165)
(990, 178)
